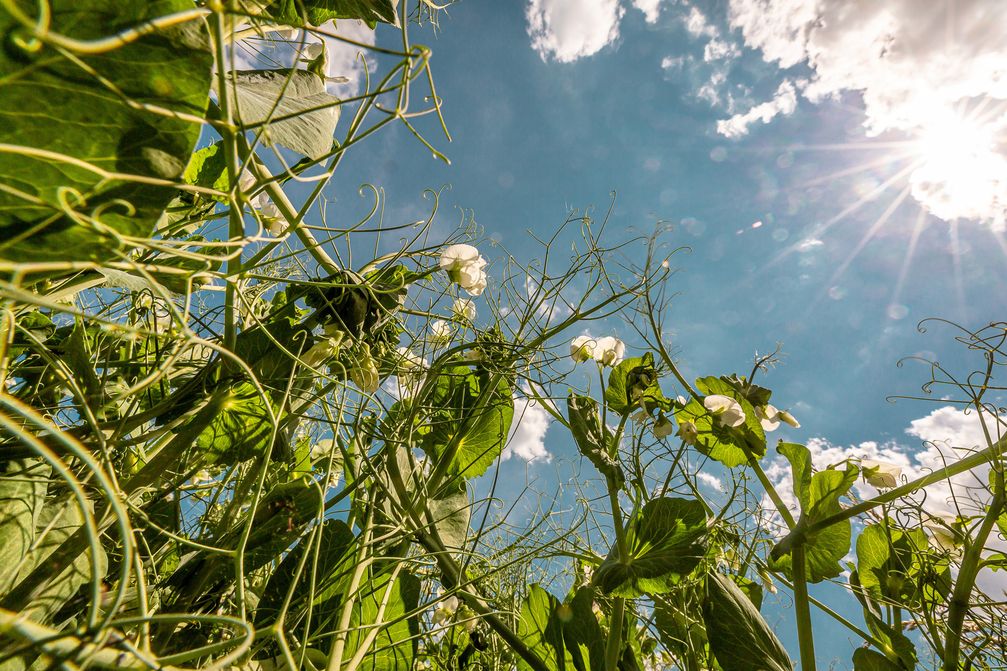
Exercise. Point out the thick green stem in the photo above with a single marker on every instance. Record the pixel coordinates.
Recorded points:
(802, 609)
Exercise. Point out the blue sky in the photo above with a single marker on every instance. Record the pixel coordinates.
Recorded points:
(836, 182)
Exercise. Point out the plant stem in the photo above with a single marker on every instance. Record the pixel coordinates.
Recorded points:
(802, 608)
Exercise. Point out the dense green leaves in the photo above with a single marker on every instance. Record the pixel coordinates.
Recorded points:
(383, 624)
(899, 566)
(593, 438)
(632, 385)
(740, 638)
(565, 636)
(59, 203)
(664, 541)
(729, 446)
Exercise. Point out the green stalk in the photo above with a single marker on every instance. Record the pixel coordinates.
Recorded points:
(802, 608)
(614, 648)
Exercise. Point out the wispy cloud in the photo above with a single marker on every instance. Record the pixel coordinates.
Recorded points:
(784, 102)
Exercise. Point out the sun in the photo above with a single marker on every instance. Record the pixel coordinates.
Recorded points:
(959, 168)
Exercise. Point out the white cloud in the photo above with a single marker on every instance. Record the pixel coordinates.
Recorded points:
(673, 62)
(651, 9)
(698, 26)
(526, 439)
(719, 50)
(566, 30)
(913, 62)
(784, 102)
(710, 480)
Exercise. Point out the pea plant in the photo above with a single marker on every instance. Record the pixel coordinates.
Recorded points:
(236, 434)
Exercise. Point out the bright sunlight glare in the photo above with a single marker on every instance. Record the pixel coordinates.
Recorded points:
(960, 169)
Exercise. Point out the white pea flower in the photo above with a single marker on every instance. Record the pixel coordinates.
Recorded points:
(787, 418)
(465, 267)
(883, 474)
(464, 309)
(365, 373)
(941, 533)
(440, 332)
(445, 610)
(725, 410)
(688, 432)
(639, 417)
(768, 416)
(608, 351)
(663, 427)
(246, 180)
(582, 348)
(681, 401)
(270, 214)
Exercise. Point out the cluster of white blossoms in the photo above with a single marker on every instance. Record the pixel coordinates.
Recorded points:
(275, 223)
(466, 267)
(608, 351)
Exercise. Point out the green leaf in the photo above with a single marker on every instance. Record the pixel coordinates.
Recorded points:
(23, 486)
(593, 438)
(740, 638)
(730, 447)
(50, 103)
(334, 539)
(301, 115)
(450, 512)
(819, 496)
(583, 636)
(633, 385)
(320, 11)
(241, 428)
(469, 426)
(865, 659)
(542, 632)
(208, 168)
(57, 521)
(395, 645)
(898, 566)
(664, 543)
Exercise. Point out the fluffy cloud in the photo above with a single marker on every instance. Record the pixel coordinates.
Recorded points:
(566, 30)
(784, 102)
(915, 63)
(526, 439)
(651, 9)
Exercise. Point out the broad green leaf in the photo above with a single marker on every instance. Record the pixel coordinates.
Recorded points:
(892, 642)
(334, 539)
(450, 512)
(593, 438)
(468, 425)
(664, 541)
(632, 385)
(208, 168)
(542, 632)
(740, 638)
(240, 430)
(730, 447)
(57, 521)
(819, 496)
(865, 659)
(898, 566)
(52, 104)
(23, 485)
(583, 636)
(320, 11)
(301, 115)
(395, 645)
